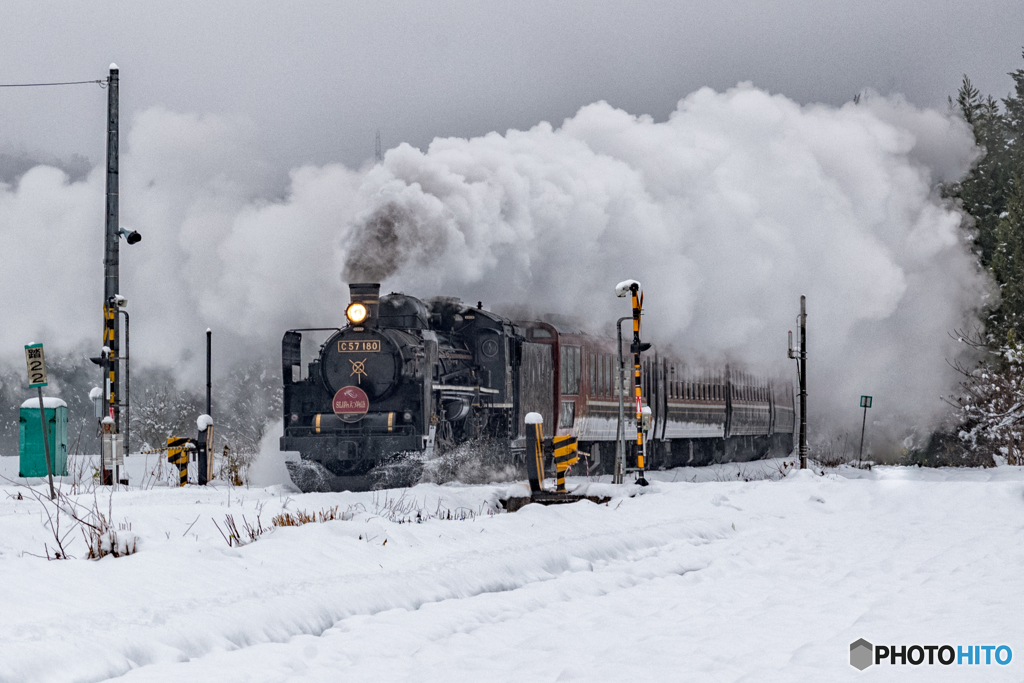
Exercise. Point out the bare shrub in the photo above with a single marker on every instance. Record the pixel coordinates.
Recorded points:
(406, 509)
(64, 515)
(833, 453)
(300, 517)
(249, 532)
(160, 472)
(103, 539)
(235, 464)
(84, 474)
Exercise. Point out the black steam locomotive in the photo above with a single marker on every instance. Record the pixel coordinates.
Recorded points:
(405, 379)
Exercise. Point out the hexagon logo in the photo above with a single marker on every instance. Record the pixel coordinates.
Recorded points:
(861, 654)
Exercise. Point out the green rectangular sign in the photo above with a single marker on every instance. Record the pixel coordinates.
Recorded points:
(865, 401)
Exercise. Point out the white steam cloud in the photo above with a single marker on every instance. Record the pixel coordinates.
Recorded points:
(727, 212)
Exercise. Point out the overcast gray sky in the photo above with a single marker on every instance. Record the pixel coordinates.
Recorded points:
(318, 78)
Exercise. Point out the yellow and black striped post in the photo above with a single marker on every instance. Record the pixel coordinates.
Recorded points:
(177, 454)
(535, 451)
(110, 341)
(565, 457)
(637, 348)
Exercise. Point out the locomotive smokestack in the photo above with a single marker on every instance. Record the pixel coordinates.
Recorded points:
(367, 294)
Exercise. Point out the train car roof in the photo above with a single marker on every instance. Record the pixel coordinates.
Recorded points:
(561, 327)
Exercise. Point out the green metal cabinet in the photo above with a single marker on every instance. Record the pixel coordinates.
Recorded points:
(33, 457)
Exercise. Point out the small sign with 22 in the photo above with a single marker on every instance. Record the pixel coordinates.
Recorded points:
(36, 362)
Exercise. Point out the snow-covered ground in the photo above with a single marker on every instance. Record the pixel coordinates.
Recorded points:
(701, 576)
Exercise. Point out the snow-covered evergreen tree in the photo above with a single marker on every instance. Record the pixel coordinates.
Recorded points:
(991, 405)
(1008, 259)
(992, 194)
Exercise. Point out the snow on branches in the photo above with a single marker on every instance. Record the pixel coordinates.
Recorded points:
(991, 402)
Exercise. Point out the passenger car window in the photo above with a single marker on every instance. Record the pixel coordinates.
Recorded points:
(570, 370)
(567, 414)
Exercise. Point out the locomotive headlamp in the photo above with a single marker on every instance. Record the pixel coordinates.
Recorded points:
(356, 313)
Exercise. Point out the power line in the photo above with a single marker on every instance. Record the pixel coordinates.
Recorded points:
(102, 83)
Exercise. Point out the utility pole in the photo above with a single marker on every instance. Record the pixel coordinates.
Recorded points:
(800, 355)
(209, 382)
(803, 382)
(205, 422)
(111, 326)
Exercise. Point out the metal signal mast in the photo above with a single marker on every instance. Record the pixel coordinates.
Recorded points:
(800, 355)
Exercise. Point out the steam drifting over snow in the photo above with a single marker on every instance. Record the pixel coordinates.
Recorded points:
(726, 212)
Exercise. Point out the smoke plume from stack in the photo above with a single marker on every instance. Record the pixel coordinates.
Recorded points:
(727, 212)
